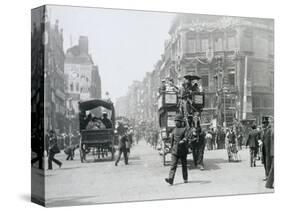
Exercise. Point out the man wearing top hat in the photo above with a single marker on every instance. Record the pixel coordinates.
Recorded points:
(179, 147)
(266, 145)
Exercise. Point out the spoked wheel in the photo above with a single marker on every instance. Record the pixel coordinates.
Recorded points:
(82, 154)
(164, 158)
(112, 153)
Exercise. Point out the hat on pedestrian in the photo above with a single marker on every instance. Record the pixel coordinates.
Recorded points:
(254, 126)
(265, 119)
(179, 117)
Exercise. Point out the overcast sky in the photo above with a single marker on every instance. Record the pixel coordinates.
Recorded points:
(124, 44)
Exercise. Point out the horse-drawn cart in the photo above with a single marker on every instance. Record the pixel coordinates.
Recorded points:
(98, 141)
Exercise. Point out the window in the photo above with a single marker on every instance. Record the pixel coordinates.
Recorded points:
(71, 86)
(207, 103)
(191, 45)
(218, 45)
(247, 41)
(256, 101)
(261, 48)
(231, 79)
(271, 45)
(231, 43)
(267, 102)
(205, 81)
(57, 108)
(204, 45)
(77, 87)
(271, 81)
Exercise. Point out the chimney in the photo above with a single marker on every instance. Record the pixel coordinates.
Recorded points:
(83, 44)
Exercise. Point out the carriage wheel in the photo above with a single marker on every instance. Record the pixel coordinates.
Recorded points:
(82, 154)
(164, 158)
(112, 153)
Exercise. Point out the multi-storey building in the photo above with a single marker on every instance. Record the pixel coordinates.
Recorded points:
(134, 101)
(234, 56)
(82, 76)
(82, 79)
(54, 77)
(37, 70)
(121, 106)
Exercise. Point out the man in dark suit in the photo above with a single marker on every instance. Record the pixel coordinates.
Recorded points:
(179, 147)
(270, 180)
(53, 150)
(123, 139)
(107, 123)
(253, 143)
(37, 146)
(70, 151)
(266, 145)
(198, 147)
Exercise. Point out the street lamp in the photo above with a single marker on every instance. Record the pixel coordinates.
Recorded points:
(224, 108)
(69, 111)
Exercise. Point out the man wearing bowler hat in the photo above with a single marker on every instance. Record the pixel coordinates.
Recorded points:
(266, 142)
(179, 149)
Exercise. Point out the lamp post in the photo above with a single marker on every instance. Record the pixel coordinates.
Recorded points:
(220, 90)
(224, 109)
(69, 111)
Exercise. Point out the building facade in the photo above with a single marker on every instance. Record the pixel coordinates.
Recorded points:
(121, 106)
(82, 75)
(55, 107)
(234, 57)
(82, 79)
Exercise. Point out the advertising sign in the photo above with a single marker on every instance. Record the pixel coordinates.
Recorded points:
(170, 98)
(171, 119)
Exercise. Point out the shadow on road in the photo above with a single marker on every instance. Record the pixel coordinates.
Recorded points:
(68, 168)
(194, 181)
(134, 158)
(213, 164)
(96, 160)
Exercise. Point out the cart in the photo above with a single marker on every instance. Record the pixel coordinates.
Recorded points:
(98, 142)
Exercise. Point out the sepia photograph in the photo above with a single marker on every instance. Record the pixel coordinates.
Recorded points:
(131, 105)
